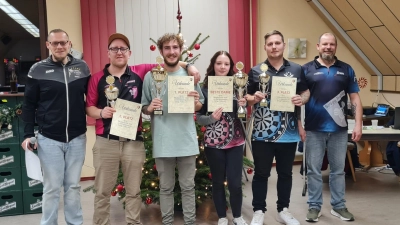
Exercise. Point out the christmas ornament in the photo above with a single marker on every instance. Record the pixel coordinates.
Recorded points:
(203, 129)
(154, 167)
(197, 46)
(120, 187)
(190, 55)
(152, 47)
(210, 176)
(149, 200)
(113, 193)
(249, 170)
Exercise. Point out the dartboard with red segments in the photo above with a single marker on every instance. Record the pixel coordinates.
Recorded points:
(219, 134)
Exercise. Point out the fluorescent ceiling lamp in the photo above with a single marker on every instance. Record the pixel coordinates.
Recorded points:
(19, 18)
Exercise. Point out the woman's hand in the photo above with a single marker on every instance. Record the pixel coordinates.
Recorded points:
(217, 114)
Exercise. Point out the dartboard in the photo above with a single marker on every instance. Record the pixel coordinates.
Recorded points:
(268, 125)
(219, 134)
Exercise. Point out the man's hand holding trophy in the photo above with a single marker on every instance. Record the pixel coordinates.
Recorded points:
(240, 81)
(264, 84)
(159, 75)
(111, 93)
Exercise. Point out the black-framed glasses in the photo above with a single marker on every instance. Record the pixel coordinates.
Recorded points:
(56, 43)
(115, 50)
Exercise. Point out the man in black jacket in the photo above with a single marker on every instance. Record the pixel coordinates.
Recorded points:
(54, 99)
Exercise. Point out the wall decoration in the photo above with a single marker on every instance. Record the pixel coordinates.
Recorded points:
(297, 48)
(362, 82)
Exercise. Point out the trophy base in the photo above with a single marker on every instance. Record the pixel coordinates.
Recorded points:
(263, 104)
(158, 112)
(241, 115)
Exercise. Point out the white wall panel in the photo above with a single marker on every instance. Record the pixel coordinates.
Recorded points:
(141, 19)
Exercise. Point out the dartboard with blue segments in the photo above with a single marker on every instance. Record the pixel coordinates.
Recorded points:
(268, 125)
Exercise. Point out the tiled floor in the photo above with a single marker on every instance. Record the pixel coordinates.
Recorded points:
(374, 199)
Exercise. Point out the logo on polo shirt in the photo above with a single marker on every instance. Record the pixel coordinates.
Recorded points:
(288, 74)
(340, 73)
(49, 71)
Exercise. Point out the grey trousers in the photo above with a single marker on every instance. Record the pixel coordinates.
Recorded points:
(166, 172)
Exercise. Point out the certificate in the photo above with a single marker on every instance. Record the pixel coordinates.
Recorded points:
(220, 93)
(178, 90)
(282, 91)
(125, 120)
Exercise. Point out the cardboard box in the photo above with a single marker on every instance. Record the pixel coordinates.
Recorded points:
(10, 179)
(32, 201)
(11, 203)
(10, 156)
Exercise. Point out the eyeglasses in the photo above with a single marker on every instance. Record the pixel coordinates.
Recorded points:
(56, 43)
(115, 50)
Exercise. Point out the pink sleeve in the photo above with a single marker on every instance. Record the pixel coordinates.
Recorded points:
(92, 96)
(142, 69)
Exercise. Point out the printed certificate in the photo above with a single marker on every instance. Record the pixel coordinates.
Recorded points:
(178, 90)
(126, 119)
(282, 91)
(220, 93)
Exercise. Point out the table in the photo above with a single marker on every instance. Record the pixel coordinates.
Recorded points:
(370, 155)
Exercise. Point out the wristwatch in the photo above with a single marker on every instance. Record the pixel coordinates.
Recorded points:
(188, 64)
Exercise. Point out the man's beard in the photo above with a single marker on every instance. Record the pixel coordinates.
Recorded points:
(59, 59)
(328, 58)
(171, 64)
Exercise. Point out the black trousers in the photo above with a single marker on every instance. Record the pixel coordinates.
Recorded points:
(263, 154)
(226, 163)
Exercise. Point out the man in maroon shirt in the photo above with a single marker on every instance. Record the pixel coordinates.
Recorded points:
(110, 150)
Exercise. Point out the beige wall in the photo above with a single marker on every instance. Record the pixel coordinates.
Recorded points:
(67, 16)
(296, 19)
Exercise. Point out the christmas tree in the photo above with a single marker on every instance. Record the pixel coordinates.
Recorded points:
(150, 182)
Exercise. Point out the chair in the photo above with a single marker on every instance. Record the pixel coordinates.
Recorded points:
(350, 146)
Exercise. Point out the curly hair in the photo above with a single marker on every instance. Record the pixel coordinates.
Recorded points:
(167, 38)
(210, 69)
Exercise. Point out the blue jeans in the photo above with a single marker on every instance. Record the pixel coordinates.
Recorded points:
(61, 165)
(336, 146)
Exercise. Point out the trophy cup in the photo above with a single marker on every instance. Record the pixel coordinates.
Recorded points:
(111, 91)
(159, 76)
(240, 81)
(264, 79)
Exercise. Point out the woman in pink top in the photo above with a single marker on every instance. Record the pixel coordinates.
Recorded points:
(223, 141)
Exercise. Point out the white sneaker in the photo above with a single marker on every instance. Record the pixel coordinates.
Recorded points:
(285, 217)
(258, 218)
(223, 221)
(239, 221)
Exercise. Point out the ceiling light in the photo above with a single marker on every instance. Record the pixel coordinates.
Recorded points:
(19, 18)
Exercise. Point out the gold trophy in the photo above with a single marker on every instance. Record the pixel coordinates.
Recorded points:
(159, 75)
(111, 91)
(240, 80)
(264, 79)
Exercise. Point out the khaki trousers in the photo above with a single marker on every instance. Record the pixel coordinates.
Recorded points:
(107, 155)
(186, 171)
